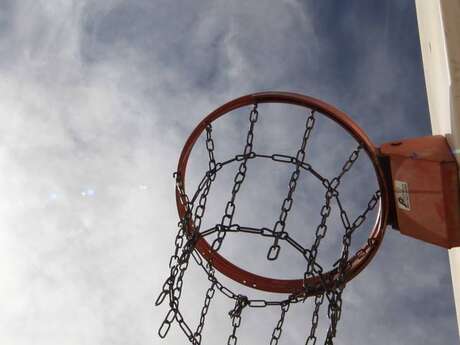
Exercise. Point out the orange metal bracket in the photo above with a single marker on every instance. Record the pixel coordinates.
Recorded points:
(424, 178)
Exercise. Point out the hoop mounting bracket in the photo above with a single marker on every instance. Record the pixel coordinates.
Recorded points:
(424, 175)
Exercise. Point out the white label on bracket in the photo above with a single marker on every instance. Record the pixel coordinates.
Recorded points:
(402, 195)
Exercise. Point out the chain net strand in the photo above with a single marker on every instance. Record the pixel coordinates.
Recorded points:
(332, 286)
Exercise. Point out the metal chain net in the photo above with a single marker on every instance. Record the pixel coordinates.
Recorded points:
(185, 241)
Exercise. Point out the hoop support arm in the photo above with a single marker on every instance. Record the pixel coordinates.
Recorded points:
(423, 177)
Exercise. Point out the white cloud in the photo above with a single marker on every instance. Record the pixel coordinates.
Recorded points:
(96, 99)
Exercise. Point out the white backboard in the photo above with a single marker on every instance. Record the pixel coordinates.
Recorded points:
(439, 29)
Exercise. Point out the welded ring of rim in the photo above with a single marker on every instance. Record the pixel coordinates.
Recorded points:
(356, 263)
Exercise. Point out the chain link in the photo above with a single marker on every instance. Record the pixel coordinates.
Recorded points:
(175, 261)
(311, 340)
(204, 311)
(279, 326)
(321, 230)
(210, 149)
(178, 265)
(335, 295)
(227, 219)
(280, 224)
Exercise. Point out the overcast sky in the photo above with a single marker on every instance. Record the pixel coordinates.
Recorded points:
(96, 101)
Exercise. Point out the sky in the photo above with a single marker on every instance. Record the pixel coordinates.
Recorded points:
(97, 99)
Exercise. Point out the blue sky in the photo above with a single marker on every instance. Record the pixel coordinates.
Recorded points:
(97, 98)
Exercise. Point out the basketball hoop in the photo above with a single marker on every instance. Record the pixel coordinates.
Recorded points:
(356, 263)
(191, 240)
(412, 176)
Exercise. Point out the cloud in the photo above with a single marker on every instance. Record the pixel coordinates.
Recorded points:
(97, 99)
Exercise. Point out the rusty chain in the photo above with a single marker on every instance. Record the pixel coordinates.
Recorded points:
(204, 311)
(186, 240)
(311, 340)
(279, 326)
(280, 224)
(227, 219)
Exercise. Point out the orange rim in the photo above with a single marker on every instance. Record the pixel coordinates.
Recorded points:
(356, 263)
